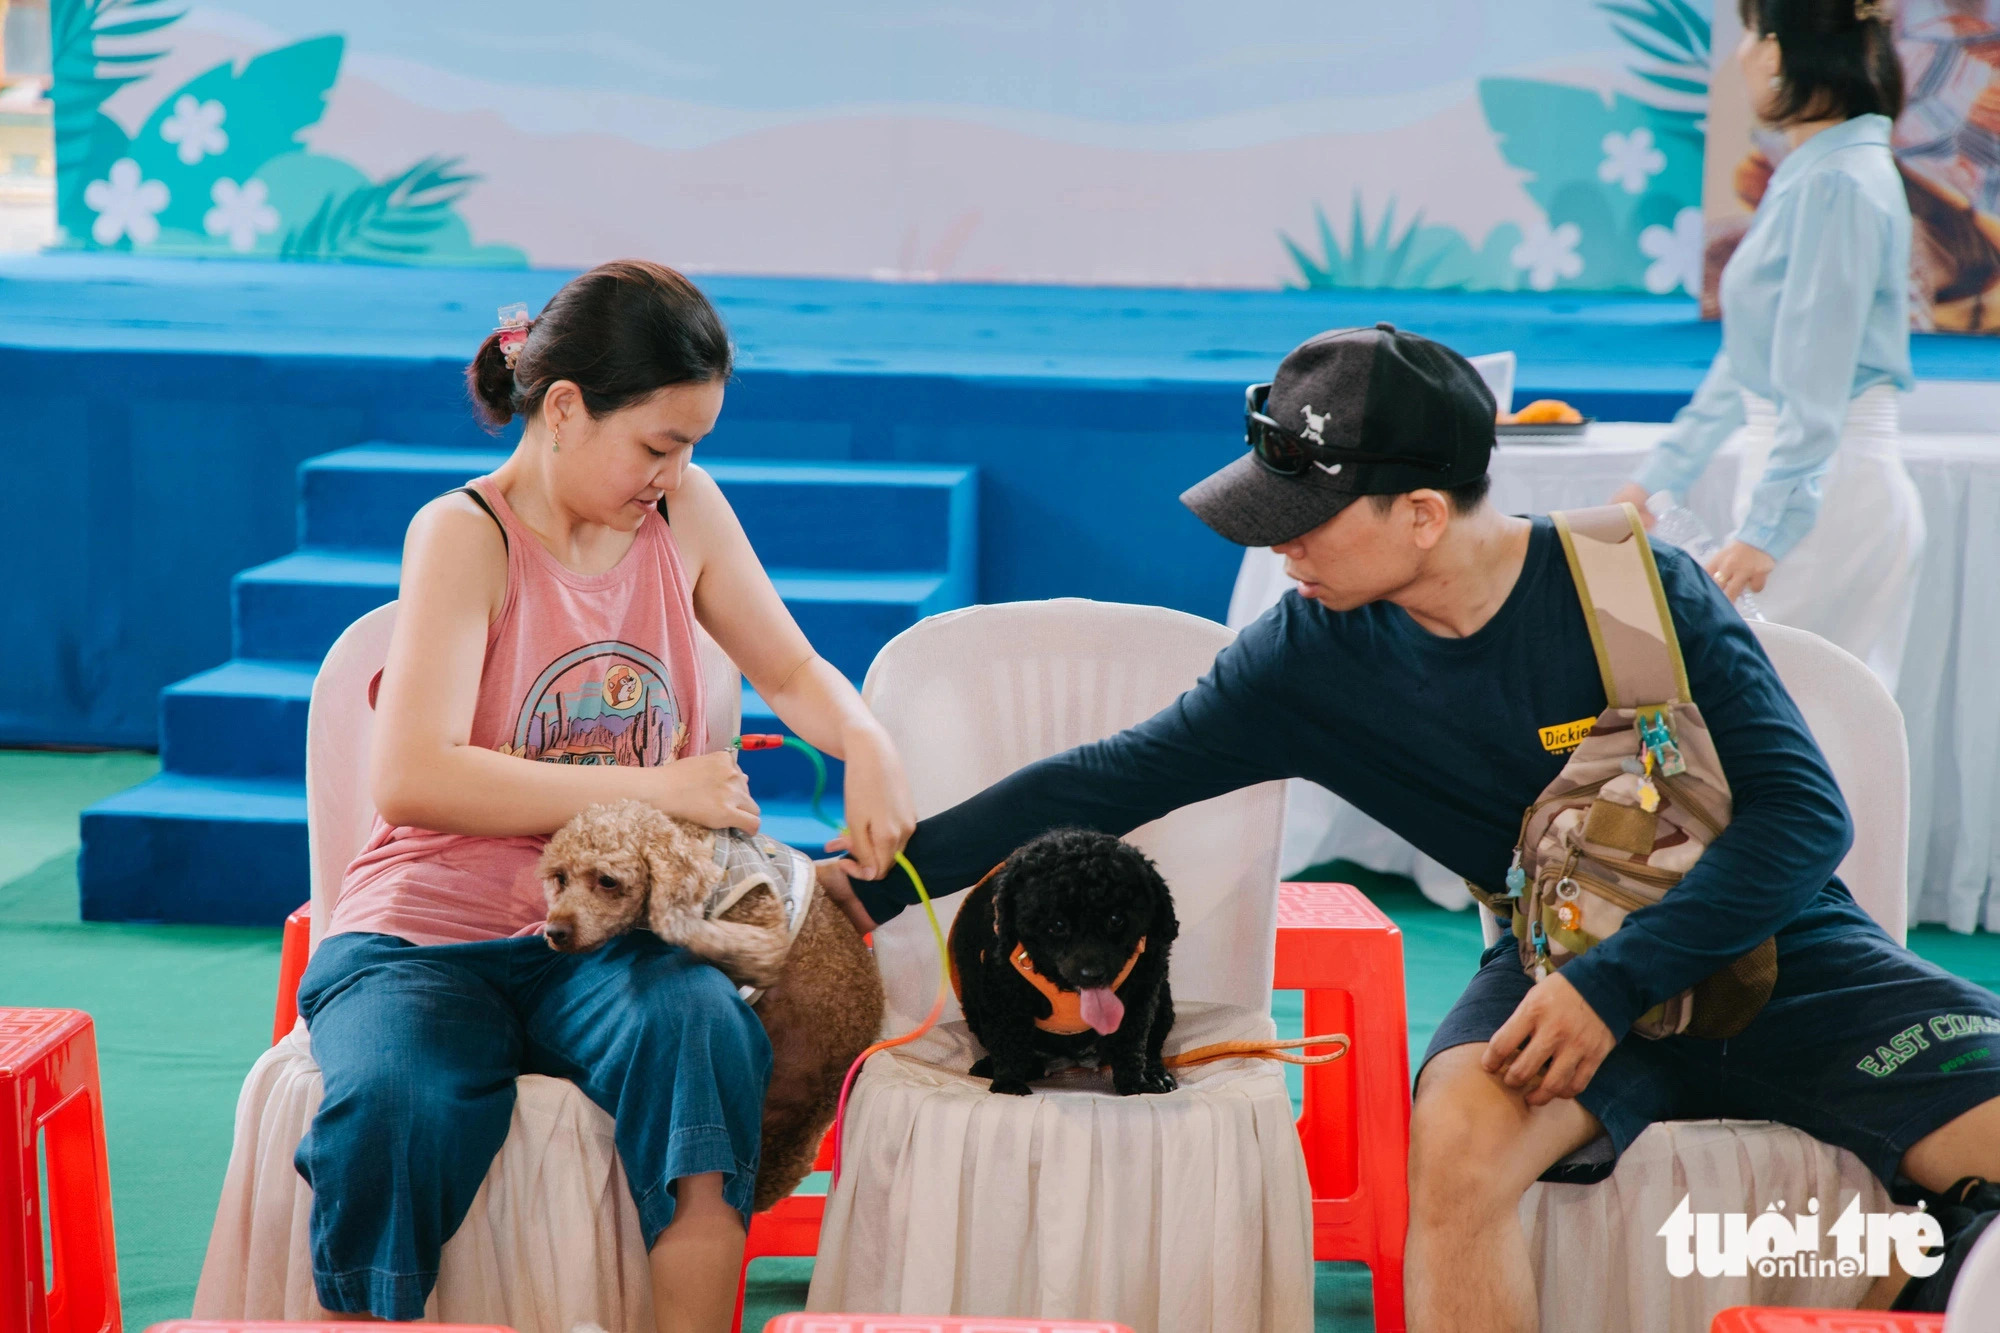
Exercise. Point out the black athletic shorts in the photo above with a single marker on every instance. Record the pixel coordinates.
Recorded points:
(1863, 1045)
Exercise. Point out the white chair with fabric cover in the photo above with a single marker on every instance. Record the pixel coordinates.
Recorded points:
(1599, 1260)
(1182, 1213)
(552, 1239)
(1975, 1294)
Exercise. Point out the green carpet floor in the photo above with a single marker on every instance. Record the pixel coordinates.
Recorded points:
(183, 1011)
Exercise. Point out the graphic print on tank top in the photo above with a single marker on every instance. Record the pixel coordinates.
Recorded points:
(603, 703)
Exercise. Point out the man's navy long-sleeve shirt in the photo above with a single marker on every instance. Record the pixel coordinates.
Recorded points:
(1447, 741)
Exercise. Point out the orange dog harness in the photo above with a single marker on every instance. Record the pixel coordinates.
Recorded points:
(1066, 1006)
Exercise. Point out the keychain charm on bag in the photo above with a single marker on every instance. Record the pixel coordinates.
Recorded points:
(1656, 734)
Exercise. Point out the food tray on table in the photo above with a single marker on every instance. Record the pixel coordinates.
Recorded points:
(1542, 432)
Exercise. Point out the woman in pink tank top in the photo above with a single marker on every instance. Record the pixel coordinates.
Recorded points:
(544, 659)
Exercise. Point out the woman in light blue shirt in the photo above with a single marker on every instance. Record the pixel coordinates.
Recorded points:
(1816, 343)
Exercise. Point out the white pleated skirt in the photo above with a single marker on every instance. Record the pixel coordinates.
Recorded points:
(1852, 580)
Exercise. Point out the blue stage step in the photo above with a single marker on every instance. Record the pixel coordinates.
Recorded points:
(222, 851)
(364, 497)
(782, 775)
(232, 851)
(297, 605)
(838, 516)
(244, 719)
(791, 822)
(859, 552)
(875, 517)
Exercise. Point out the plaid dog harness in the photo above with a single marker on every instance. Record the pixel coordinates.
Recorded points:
(750, 861)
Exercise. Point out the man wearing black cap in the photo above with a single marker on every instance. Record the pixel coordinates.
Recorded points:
(1431, 669)
(1396, 414)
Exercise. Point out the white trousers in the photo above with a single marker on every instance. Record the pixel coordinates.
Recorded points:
(1852, 580)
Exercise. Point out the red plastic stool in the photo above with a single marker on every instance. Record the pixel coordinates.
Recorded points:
(789, 1229)
(1770, 1319)
(48, 1091)
(291, 966)
(920, 1323)
(272, 1326)
(1347, 957)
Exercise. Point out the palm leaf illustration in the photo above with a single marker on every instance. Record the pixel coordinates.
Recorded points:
(85, 75)
(387, 220)
(1672, 37)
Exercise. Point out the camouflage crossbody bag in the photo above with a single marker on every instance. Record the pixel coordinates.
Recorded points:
(1642, 796)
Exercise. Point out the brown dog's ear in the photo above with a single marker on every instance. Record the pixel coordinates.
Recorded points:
(699, 848)
(681, 870)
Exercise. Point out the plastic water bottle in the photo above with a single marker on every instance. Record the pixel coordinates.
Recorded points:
(1676, 524)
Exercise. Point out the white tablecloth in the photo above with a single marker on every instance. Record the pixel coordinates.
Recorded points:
(1949, 704)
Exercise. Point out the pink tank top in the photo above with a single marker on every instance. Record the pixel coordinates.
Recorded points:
(580, 669)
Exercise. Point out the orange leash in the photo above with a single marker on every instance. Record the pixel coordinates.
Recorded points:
(945, 990)
(1261, 1050)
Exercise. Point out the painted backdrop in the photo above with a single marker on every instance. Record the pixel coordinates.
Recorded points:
(1947, 145)
(1483, 144)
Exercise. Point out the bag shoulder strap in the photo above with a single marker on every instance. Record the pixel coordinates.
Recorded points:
(1631, 629)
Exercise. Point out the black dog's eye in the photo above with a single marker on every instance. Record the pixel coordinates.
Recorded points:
(1058, 927)
(562, 878)
(606, 882)
(1116, 921)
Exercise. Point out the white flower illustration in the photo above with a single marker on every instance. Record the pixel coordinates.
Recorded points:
(126, 205)
(1548, 254)
(196, 127)
(241, 213)
(1631, 159)
(1676, 253)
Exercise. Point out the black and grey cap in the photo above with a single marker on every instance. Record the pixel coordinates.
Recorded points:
(1379, 411)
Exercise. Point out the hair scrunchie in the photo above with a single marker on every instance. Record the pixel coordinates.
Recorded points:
(513, 330)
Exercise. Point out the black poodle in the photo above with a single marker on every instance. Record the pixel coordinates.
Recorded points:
(1062, 951)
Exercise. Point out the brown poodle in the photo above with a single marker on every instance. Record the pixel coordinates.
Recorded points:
(615, 867)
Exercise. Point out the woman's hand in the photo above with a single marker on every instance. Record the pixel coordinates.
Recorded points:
(880, 814)
(708, 789)
(834, 881)
(1634, 494)
(1738, 566)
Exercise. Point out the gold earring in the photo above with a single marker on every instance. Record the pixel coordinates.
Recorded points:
(555, 434)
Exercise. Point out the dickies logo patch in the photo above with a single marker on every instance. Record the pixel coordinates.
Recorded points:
(1566, 736)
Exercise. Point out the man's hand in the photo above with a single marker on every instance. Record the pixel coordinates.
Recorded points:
(1552, 1045)
(833, 878)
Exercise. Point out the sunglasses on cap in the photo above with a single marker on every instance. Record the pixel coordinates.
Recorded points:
(1288, 455)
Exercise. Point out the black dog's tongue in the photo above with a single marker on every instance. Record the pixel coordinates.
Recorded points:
(1102, 1009)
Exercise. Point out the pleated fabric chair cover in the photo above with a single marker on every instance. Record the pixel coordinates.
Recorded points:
(1975, 1295)
(1599, 1260)
(552, 1239)
(1182, 1213)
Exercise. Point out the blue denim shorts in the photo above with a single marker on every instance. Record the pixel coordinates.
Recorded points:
(1863, 1045)
(419, 1046)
